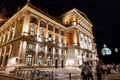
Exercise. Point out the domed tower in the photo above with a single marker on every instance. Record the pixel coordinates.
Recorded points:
(105, 50)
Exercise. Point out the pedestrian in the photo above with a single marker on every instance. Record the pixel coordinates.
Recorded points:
(85, 72)
(98, 71)
(90, 72)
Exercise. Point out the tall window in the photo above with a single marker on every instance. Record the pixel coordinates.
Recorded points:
(56, 38)
(40, 60)
(49, 50)
(50, 37)
(62, 33)
(42, 35)
(50, 27)
(29, 59)
(56, 51)
(56, 30)
(32, 30)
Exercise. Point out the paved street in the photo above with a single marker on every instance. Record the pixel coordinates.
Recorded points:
(113, 76)
(74, 74)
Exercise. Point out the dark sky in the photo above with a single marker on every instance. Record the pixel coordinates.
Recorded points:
(104, 14)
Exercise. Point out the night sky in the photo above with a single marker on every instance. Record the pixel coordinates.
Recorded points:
(104, 14)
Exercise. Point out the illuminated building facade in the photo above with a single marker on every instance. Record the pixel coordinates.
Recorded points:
(34, 38)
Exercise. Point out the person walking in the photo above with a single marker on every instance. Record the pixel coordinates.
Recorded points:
(98, 71)
(90, 72)
(85, 71)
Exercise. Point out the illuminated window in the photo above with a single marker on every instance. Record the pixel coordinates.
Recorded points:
(30, 46)
(32, 30)
(41, 48)
(29, 59)
(50, 37)
(42, 34)
(40, 60)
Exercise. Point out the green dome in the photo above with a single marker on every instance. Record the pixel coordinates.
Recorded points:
(105, 50)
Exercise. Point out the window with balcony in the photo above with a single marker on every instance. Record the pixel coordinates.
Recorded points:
(40, 60)
(32, 46)
(41, 48)
(32, 30)
(42, 35)
(29, 59)
(50, 37)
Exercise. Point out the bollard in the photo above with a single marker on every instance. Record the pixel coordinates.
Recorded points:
(51, 75)
(69, 76)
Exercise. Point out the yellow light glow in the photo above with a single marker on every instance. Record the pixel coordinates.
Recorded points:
(70, 62)
(75, 38)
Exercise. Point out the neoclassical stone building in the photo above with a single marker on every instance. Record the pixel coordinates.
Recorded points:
(33, 38)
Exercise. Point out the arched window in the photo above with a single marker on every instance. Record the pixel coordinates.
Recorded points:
(50, 27)
(42, 24)
(33, 20)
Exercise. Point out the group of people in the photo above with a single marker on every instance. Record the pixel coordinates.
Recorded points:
(89, 70)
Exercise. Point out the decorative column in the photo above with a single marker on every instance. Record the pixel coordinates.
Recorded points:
(36, 55)
(26, 24)
(45, 59)
(3, 63)
(53, 58)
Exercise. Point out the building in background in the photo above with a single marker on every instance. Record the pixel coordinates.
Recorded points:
(33, 38)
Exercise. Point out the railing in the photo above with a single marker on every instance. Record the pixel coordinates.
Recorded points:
(35, 74)
(10, 77)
